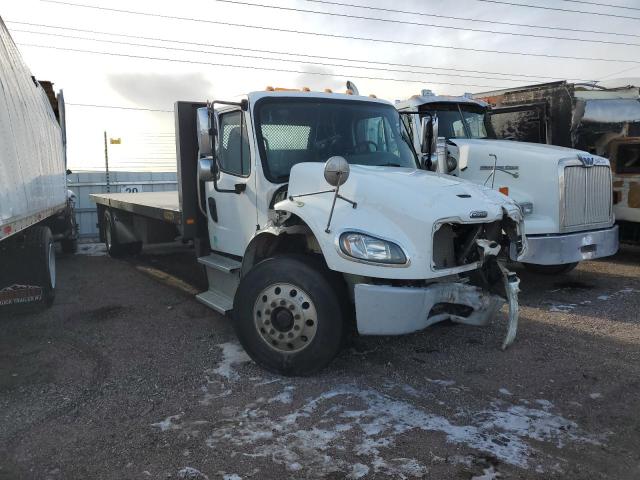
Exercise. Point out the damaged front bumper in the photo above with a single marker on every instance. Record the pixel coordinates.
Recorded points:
(391, 310)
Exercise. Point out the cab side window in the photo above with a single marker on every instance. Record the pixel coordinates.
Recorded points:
(234, 155)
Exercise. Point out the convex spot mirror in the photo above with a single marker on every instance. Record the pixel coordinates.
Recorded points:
(205, 169)
(336, 171)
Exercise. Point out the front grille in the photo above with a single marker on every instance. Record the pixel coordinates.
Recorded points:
(587, 195)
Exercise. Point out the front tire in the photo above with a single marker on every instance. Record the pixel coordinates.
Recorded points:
(288, 317)
(550, 269)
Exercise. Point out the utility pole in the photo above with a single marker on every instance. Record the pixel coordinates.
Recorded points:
(106, 162)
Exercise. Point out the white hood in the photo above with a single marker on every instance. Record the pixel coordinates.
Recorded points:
(400, 204)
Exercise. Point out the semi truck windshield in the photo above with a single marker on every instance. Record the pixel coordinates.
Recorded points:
(460, 121)
(294, 130)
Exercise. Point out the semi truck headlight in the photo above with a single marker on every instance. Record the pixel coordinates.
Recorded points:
(371, 249)
(526, 208)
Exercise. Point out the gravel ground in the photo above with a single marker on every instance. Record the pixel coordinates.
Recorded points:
(128, 377)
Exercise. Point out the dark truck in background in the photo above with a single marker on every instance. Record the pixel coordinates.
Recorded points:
(602, 121)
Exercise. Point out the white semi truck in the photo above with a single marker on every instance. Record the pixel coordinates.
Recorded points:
(35, 207)
(565, 194)
(309, 209)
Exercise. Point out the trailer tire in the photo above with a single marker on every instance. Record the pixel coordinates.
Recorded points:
(550, 269)
(288, 315)
(114, 248)
(41, 253)
(70, 244)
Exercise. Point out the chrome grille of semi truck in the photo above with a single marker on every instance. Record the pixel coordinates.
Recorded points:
(587, 195)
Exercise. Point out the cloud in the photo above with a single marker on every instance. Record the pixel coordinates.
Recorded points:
(157, 90)
(319, 82)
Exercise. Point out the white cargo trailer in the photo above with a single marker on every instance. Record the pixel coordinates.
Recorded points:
(35, 207)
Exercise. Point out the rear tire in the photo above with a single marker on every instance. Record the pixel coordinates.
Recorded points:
(42, 254)
(550, 269)
(299, 328)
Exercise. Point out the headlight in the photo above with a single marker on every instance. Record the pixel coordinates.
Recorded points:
(526, 208)
(371, 249)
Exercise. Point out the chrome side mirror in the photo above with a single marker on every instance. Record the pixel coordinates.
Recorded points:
(336, 171)
(429, 134)
(206, 170)
(204, 131)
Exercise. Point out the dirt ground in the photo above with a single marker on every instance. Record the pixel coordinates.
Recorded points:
(128, 377)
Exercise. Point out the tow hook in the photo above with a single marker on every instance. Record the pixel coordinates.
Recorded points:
(511, 287)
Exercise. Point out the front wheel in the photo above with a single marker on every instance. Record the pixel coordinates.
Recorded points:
(550, 269)
(287, 315)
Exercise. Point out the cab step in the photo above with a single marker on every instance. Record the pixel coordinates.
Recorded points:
(223, 276)
(216, 300)
(220, 262)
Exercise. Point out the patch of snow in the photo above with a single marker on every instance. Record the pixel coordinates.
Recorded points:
(546, 404)
(232, 354)
(504, 391)
(563, 308)
(374, 421)
(92, 249)
(168, 423)
(595, 396)
(190, 473)
(487, 474)
(604, 297)
(444, 383)
(285, 396)
(231, 476)
(358, 470)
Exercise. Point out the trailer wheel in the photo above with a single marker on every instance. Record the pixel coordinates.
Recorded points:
(550, 269)
(70, 243)
(42, 253)
(287, 315)
(114, 248)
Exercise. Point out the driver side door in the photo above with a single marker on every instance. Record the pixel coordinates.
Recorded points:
(232, 217)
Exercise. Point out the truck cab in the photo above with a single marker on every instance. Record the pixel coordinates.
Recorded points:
(564, 194)
(317, 213)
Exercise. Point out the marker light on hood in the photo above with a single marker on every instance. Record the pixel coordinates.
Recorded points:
(371, 249)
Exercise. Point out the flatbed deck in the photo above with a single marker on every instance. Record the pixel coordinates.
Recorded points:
(163, 206)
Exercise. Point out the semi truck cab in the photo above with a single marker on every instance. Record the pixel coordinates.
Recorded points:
(314, 219)
(564, 194)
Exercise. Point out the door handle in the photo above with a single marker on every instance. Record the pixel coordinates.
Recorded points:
(213, 211)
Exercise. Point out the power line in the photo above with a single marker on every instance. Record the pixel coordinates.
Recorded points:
(139, 37)
(235, 55)
(195, 62)
(348, 37)
(602, 4)
(419, 24)
(110, 106)
(554, 9)
(478, 20)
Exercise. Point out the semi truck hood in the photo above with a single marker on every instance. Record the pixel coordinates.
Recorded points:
(424, 195)
(403, 205)
(509, 149)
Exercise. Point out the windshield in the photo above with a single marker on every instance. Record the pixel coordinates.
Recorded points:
(295, 130)
(460, 121)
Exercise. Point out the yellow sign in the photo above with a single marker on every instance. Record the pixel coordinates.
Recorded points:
(115, 141)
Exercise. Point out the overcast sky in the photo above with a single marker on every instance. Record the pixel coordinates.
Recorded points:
(91, 78)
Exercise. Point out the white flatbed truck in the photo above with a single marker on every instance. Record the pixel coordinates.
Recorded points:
(309, 210)
(36, 208)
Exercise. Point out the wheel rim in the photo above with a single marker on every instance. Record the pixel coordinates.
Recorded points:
(285, 317)
(52, 265)
(107, 234)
